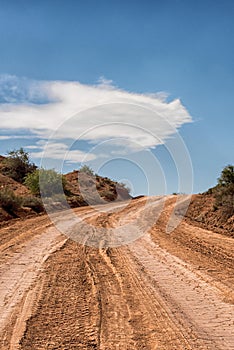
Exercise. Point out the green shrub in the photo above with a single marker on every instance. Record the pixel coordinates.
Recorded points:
(87, 170)
(224, 191)
(32, 182)
(9, 201)
(227, 176)
(224, 197)
(17, 165)
(34, 203)
(45, 182)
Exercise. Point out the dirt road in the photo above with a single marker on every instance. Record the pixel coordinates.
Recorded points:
(162, 291)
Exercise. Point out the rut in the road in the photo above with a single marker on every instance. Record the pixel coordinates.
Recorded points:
(18, 278)
(138, 296)
(91, 301)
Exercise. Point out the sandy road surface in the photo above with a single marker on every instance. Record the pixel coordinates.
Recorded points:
(160, 292)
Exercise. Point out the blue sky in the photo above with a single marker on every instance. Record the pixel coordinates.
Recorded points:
(184, 49)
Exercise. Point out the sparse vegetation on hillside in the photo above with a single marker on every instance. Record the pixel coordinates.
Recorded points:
(17, 165)
(87, 170)
(227, 176)
(224, 191)
(33, 202)
(19, 176)
(9, 201)
(214, 209)
(45, 182)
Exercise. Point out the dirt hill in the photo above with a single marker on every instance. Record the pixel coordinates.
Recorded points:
(82, 189)
(94, 189)
(203, 213)
(19, 190)
(16, 187)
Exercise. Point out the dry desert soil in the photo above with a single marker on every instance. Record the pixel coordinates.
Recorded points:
(161, 291)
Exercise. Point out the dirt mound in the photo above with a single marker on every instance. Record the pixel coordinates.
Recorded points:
(203, 213)
(81, 189)
(94, 189)
(19, 190)
(16, 187)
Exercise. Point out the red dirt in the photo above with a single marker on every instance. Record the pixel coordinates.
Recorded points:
(201, 213)
(163, 291)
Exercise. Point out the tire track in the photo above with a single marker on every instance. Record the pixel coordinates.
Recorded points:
(115, 330)
(68, 314)
(193, 299)
(21, 272)
(157, 316)
(140, 296)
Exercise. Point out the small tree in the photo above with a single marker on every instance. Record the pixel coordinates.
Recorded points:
(45, 182)
(224, 191)
(227, 176)
(32, 182)
(87, 170)
(17, 165)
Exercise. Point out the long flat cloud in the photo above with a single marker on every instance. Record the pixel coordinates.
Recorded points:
(63, 110)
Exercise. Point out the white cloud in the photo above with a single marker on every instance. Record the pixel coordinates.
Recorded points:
(88, 112)
(10, 137)
(5, 137)
(61, 151)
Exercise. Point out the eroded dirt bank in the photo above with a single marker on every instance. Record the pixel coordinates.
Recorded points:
(160, 292)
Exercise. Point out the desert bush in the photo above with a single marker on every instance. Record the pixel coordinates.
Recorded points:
(227, 176)
(45, 182)
(34, 203)
(224, 197)
(17, 165)
(224, 191)
(9, 201)
(87, 170)
(32, 182)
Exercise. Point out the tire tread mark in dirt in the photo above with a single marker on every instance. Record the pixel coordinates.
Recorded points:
(114, 328)
(68, 315)
(210, 311)
(156, 313)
